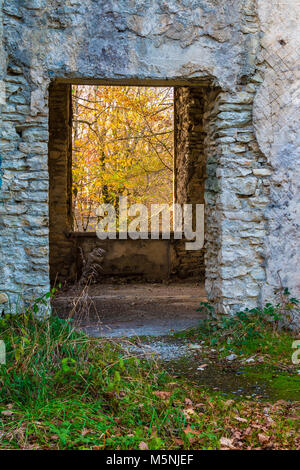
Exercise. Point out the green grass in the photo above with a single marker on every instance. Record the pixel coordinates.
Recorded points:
(283, 384)
(63, 390)
(249, 332)
(273, 346)
(260, 336)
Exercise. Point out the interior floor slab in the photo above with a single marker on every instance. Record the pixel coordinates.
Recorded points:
(132, 309)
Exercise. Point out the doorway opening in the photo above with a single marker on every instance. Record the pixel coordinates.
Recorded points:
(150, 144)
(123, 145)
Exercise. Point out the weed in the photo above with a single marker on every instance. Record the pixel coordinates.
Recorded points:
(251, 330)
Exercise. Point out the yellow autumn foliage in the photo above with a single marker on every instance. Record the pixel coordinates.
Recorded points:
(123, 141)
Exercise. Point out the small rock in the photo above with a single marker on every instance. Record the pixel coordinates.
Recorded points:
(3, 298)
(194, 346)
(231, 357)
(250, 359)
(262, 172)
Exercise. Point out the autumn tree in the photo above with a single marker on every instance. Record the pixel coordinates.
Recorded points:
(122, 145)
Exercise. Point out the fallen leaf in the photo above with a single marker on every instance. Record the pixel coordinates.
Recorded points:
(226, 443)
(263, 439)
(179, 442)
(173, 384)
(292, 417)
(187, 412)
(228, 403)
(30, 447)
(188, 402)
(190, 434)
(163, 395)
(237, 435)
(143, 446)
(6, 412)
(241, 420)
(271, 421)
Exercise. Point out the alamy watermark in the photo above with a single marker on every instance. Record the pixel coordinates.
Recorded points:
(137, 222)
(296, 354)
(2, 93)
(2, 353)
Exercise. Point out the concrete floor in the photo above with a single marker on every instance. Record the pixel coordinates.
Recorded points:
(133, 309)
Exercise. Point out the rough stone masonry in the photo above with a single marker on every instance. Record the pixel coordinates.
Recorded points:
(245, 55)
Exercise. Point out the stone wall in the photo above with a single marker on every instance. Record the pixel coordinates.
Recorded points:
(137, 260)
(61, 254)
(239, 48)
(24, 218)
(186, 264)
(277, 128)
(189, 161)
(140, 260)
(236, 195)
(190, 164)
